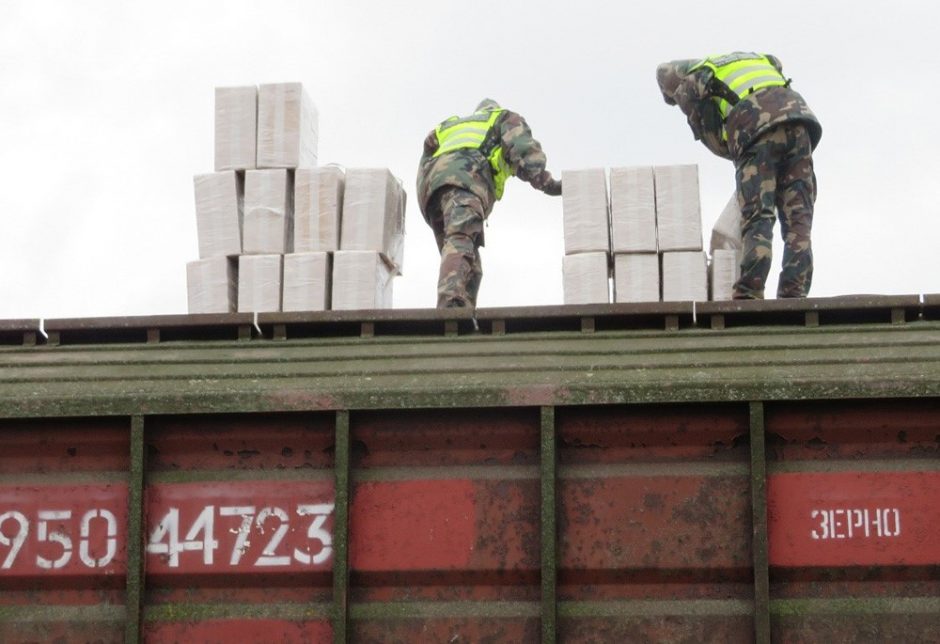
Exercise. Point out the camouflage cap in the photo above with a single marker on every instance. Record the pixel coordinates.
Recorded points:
(667, 75)
(487, 104)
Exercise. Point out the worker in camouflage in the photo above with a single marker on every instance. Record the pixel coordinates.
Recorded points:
(464, 166)
(742, 108)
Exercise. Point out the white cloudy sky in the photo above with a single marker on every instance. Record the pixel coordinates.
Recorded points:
(106, 113)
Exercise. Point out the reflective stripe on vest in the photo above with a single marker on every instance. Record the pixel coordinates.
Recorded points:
(743, 73)
(470, 132)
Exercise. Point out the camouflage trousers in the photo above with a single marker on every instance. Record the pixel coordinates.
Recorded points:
(776, 171)
(457, 221)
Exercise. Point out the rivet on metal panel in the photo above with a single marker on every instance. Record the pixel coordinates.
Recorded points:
(280, 331)
(718, 322)
(672, 322)
(153, 336)
(587, 324)
(244, 332)
(549, 526)
(898, 316)
(759, 523)
(29, 339)
(499, 327)
(812, 318)
(450, 327)
(367, 330)
(135, 540)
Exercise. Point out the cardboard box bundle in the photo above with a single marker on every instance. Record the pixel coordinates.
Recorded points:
(586, 223)
(655, 236)
(270, 221)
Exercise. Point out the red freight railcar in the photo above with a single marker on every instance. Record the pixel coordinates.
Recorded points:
(668, 472)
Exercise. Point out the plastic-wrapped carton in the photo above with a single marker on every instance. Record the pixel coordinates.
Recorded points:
(725, 268)
(678, 211)
(259, 283)
(632, 210)
(212, 285)
(361, 280)
(374, 214)
(218, 213)
(287, 127)
(636, 277)
(269, 224)
(726, 232)
(586, 278)
(236, 127)
(307, 282)
(585, 212)
(684, 276)
(318, 209)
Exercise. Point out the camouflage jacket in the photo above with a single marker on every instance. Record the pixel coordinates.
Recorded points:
(747, 121)
(470, 170)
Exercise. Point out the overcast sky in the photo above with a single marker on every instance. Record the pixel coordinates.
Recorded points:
(106, 113)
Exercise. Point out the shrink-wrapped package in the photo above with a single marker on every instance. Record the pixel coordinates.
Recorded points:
(306, 282)
(636, 277)
(259, 283)
(584, 207)
(361, 280)
(725, 268)
(586, 278)
(632, 210)
(268, 212)
(374, 214)
(287, 127)
(218, 213)
(236, 127)
(678, 212)
(211, 285)
(684, 276)
(318, 209)
(726, 233)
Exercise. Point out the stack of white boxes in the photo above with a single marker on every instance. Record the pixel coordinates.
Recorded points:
(726, 251)
(586, 265)
(270, 221)
(655, 237)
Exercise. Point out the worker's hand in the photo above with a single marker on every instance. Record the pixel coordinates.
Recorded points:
(552, 188)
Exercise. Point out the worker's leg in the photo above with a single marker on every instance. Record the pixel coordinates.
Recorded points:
(796, 195)
(755, 174)
(461, 271)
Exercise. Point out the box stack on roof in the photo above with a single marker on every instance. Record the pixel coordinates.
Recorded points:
(655, 237)
(278, 233)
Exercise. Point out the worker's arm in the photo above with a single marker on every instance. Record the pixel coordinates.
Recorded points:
(524, 154)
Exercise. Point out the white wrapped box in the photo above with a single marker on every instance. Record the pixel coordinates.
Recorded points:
(586, 278)
(584, 206)
(236, 127)
(684, 276)
(218, 213)
(318, 209)
(211, 285)
(259, 283)
(678, 212)
(726, 233)
(361, 280)
(636, 277)
(374, 214)
(269, 223)
(725, 269)
(306, 282)
(287, 127)
(632, 210)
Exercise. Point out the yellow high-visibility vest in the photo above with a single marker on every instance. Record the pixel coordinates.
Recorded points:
(470, 132)
(743, 73)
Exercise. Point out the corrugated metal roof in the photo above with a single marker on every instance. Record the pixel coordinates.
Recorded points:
(851, 347)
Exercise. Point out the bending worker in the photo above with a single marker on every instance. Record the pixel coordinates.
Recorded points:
(463, 169)
(742, 108)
